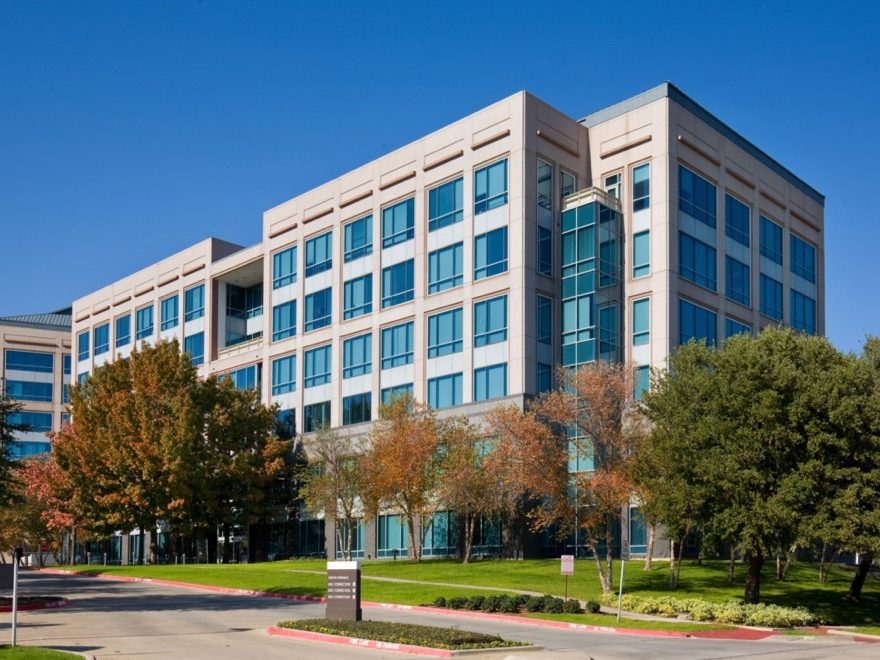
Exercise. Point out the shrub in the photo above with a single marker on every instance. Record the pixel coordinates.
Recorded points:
(572, 606)
(508, 605)
(521, 600)
(534, 604)
(457, 603)
(553, 605)
(475, 602)
(491, 604)
(439, 601)
(592, 606)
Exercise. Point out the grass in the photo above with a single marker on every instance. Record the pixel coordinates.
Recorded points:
(610, 621)
(33, 653)
(708, 581)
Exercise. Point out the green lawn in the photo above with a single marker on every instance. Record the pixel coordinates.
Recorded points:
(542, 576)
(33, 653)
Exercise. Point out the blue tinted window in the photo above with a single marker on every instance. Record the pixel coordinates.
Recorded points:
(356, 408)
(318, 366)
(102, 339)
(641, 322)
(390, 393)
(284, 374)
(81, 378)
(738, 281)
(66, 361)
(490, 382)
(490, 321)
(771, 240)
(82, 345)
(194, 303)
(544, 318)
(444, 391)
(284, 320)
(43, 363)
(195, 346)
(246, 378)
(544, 187)
(732, 328)
(803, 312)
(545, 252)
(319, 254)
(642, 254)
(284, 267)
(123, 330)
(19, 450)
(21, 390)
(398, 283)
(444, 333)
(358, 239)
(398, 223)
(397, 345)
(771, 297)
(393, 536)
(641, 191)
(35, 422)
(543, 378)
(696, 196)
(737, 220)
(490, 253)
(144, 323)
(65, 395)
(696, 261)
(696, 323)
(319, 309)
(490, 187)
(642, 382)
(357, 296)
(316, 416)
(445, 268)
(169, 310)
(357, 356)
(445, 204)
(803, 259)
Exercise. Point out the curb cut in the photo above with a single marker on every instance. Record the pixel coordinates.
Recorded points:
(857, 636)
(61, 602)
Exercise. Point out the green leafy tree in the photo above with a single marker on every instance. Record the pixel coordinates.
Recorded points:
(8, 429)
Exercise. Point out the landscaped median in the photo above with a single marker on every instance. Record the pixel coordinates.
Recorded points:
(34, 653)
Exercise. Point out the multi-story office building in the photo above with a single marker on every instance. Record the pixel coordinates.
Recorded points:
(36, 372)
(464, 266)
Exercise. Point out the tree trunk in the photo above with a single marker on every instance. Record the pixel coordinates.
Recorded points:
(788, 559)
(731, 565)
(469, 538)
(649, 554)
(415, 548)
(609, 563)
(600, 569)
(779, 564)
(673, 583)
(754, 563)
(858, 581)
(829, 553)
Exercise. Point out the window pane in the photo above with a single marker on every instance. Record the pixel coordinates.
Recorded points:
(490, 321)
(445, 268)
(318, 366)
(545, 185)
(195, 346)
(398, 283)
(284, 320)
(445, 204)
(697, 323)
(318, 309)
(696, 196)
(696, 261)
(803, 258)
(490, 187)
(319, 254)
(545, 252)
(398, 223)
(641, 322)
(397, 345)
(490, 253)
(641, 187)
(445, 333)
(358, 239)
(737, 281)
(356, 408)
(490, 382)
(357, 297)
(737, 220)
(771, 240)
(357, 356)
(642, 254)
(544, 329)
(284, 267)
(194, 303)
(444, 391)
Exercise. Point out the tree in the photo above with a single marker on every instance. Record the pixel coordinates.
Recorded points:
(331, 482)
(401, 465)
(8, 429)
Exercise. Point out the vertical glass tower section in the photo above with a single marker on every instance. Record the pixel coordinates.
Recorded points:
(591, 279)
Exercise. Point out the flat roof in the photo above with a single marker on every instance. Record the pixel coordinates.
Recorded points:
(670, 91)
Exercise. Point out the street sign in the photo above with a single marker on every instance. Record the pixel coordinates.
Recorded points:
(344, 590)
(567, 563)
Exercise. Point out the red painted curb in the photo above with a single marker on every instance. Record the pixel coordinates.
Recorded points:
(61, 602)
(359, 643)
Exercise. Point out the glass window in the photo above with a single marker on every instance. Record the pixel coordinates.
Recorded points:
(771, 297)
(490, 187)
(445, 204)
(490, 253)
(81, 378)
(737, 220)
(318, 366)
(738, 281)
(284, 320)
(696, 261)
(246, 378)
(393, 536)
(123, 330)
(567, 183)
(357, 356)
(284, 267)
(65, 394)
(803, 258)
(642, 254)
(697, 323)
(144, 323)
(613, 184)
(102, 339)
(285, 424)
(36, 422)
(398, 223)
(66, 363)
(169, 308)
(22, 390)
(696, 196)
(641, 322)
(641, 187)
(357, 297)
(319, 254)
(732, 328)
(194, 303)
(319, 307)
(545, 252)
(490, 321)
(490, 382)
(43, 363)
(316, 416)
(545, 185)
(358, 239)
(82, 344)
(195, 346)
(544, 316)
(444, 391)
(445, 268)
(284, 374)
(397, 345)
(444, 333)
(398, 283)
(356, 408)
(390, 393)
(803, 312)
(642, 382)
(544, 378)
(771, 240)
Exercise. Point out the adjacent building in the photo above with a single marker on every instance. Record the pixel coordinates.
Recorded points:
(466, 265)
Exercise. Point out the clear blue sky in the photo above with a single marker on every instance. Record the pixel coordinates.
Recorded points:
(129, 130)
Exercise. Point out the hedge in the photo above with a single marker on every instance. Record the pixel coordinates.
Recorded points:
(510, 604)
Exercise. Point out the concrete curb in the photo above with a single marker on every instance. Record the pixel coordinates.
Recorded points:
(61, 602)
(857, 636)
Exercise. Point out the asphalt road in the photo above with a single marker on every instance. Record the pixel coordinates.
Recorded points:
(109, 619)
